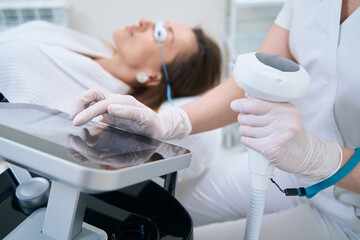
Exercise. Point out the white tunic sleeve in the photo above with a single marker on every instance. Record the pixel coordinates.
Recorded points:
(284, 17)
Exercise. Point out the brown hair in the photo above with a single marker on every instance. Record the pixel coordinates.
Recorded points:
(188, 77)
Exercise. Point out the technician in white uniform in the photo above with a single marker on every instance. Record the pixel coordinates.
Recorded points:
(313, 138)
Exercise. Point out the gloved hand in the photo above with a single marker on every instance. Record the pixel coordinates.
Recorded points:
(126, 112)
(276, 131)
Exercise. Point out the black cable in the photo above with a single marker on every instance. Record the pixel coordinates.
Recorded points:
(291, 191)
(273, 181)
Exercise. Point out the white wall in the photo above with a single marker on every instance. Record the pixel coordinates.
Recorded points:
(100, 17)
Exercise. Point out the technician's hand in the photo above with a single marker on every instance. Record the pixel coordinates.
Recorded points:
(276, 131)
(126, 112)
(108, 150)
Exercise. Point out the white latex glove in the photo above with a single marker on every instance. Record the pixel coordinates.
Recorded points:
(126, 112)
(276, 131)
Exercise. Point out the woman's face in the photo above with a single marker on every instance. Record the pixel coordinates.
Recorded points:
(138, 50)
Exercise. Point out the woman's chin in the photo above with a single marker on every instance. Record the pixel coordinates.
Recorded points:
(118, 35)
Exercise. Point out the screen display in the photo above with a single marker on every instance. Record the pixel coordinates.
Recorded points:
(94, 144)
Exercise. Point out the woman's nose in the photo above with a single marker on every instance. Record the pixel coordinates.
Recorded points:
(145, 24)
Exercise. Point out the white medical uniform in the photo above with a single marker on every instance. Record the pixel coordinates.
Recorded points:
(330, 52)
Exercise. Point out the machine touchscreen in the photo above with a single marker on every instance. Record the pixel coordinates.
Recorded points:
(93, 146)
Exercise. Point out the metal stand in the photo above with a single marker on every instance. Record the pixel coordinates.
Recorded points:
(62, 219)
(170, 183)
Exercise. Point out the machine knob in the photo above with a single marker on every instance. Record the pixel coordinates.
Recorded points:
(33, 193)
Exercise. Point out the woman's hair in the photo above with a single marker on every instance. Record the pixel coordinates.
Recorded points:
(188, 76)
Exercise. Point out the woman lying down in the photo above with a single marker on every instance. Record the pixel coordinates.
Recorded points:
(46, 64)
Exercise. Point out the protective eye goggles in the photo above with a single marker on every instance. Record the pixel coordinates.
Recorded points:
(160, 34)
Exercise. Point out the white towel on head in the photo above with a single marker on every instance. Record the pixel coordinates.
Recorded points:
(40, 63)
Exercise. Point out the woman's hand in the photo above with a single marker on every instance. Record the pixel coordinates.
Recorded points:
(126, 112)
(276, 131)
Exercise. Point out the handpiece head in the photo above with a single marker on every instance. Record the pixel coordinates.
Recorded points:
(270, 77)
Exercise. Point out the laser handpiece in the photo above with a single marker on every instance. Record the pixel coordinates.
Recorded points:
(273, 78)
